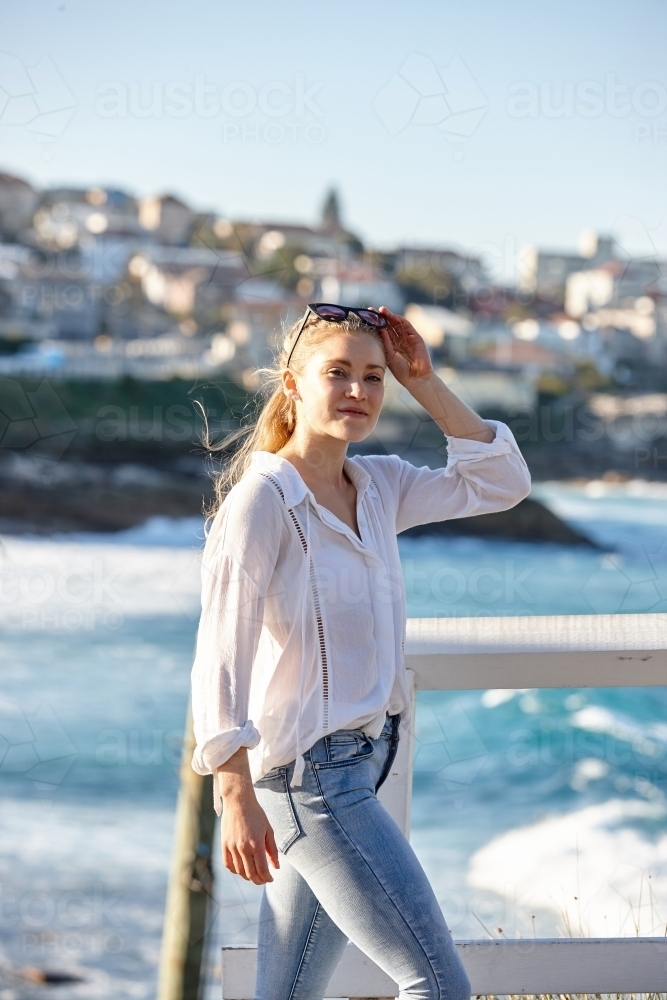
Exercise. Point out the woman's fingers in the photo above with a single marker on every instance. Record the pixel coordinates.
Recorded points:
(400, 326)
(249, 861)
(388, 342)
(247, 837)
(256, 865)
(228, 860)
(238, 863)
(411, 357)
(271, 848)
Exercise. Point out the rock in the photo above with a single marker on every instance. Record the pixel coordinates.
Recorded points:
(76, 496)
(44, 498)
(36, 975)
(528, 521)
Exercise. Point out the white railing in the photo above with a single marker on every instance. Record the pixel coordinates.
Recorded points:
(527, 652)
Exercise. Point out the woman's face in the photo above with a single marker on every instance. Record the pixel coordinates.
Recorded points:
(341, 386)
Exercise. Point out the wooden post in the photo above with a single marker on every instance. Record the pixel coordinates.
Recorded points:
(190, 882)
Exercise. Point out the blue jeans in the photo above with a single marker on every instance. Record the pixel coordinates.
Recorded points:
(347, 872)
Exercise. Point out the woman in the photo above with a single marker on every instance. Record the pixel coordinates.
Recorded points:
(299, 685)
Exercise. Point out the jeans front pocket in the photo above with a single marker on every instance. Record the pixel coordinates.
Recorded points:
(273, 795)
(345, 746)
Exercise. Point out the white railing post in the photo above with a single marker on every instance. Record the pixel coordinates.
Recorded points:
(396, 792)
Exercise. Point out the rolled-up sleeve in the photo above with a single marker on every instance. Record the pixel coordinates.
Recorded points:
(480, 477)
(237, 567)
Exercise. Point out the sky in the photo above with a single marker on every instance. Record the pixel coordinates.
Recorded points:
(479, 125)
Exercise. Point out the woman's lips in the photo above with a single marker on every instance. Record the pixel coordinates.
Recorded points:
(353, 412)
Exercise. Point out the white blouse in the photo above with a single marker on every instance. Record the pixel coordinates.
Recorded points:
(303, 621)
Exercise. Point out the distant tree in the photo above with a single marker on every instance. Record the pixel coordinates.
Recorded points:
(429, 286)
(331, 210)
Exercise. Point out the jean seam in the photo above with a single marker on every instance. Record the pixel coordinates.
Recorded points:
(273, 773)
(341, 763)
(309, 936)
(285, 790)
(377, 879)
(391, 757)
(297, 826)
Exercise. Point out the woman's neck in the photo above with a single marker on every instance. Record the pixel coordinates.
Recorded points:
(317, 460)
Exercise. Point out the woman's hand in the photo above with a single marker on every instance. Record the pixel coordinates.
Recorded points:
(246, 834)
(407, 354)
(247, 839)
(410, 364)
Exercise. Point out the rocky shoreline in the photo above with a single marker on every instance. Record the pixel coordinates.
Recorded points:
(529, 521)
(44, 498)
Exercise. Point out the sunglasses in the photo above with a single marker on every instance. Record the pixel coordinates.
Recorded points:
(336, 314)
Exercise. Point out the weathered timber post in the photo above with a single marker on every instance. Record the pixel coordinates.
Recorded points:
(190, 882)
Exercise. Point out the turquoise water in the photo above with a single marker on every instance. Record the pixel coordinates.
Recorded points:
(522, 800)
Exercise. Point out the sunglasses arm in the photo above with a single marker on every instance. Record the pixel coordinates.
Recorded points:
(301, 329)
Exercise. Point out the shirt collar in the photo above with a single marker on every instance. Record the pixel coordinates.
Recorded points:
(291, 482)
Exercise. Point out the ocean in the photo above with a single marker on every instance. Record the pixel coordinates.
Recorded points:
(534, 812)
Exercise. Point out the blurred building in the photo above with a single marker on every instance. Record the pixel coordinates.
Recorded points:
(257, 326)
(97, 265)
(352, 283)
(18, 201)
(445, 331)
(68, 217)
(624, 304)
(630, 423)
(426, 266)
(188, 281)
(544, 273)
(169, 219)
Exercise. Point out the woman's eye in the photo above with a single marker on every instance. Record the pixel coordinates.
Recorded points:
(339, 373)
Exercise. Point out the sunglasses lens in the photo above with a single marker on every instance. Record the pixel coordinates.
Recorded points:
(331, 312)
(372, 318)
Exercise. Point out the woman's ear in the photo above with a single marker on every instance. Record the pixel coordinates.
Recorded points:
(289, 385)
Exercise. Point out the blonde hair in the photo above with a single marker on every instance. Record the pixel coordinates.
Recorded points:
(275, 417)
